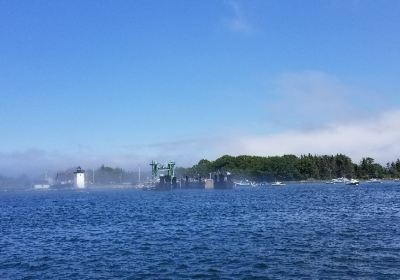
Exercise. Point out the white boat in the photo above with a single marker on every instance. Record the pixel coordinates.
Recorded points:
(374, 181)
(339, 180)
(330, 182)
(245, 184)
(43, 186)
(277, 183)
(353, 182)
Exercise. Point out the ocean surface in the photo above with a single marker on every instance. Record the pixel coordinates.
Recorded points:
(292, 232)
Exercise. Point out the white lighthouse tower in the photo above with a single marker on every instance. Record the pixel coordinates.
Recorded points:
(79, 178)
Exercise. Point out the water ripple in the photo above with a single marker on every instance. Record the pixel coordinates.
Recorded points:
(299, 231)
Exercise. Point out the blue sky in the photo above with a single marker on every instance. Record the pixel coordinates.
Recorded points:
(122, 82)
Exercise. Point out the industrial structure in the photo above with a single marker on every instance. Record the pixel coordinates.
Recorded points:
(163, 176)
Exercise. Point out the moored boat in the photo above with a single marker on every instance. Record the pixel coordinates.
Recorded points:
(374, 181)
(244, 184)
(353, 182)
(277, 184)
(41, 186)
(339, 180)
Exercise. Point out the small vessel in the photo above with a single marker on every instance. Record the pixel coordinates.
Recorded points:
(277, 183)
(339, 180)
(353, 182)
(41, 186)
(245, 183)
(374, 181)
(330, 182)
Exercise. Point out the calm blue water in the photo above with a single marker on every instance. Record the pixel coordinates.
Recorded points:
(297, 231)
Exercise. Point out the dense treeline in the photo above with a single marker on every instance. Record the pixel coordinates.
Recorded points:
(108, 175)
(18, 182)
(105, 175)
(291, 167)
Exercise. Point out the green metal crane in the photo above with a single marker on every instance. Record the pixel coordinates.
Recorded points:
(157, 167)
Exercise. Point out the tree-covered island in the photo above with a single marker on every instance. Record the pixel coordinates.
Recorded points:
(294, 168)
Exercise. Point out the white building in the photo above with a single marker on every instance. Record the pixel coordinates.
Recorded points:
(79, 178)
(209, 183)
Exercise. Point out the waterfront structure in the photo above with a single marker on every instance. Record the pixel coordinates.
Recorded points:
(209, 183)
(79, 178)
(157, 168)
(163, 176)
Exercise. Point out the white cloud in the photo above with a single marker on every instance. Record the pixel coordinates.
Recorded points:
(321, 114)
(312, 99)
(378, 138)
